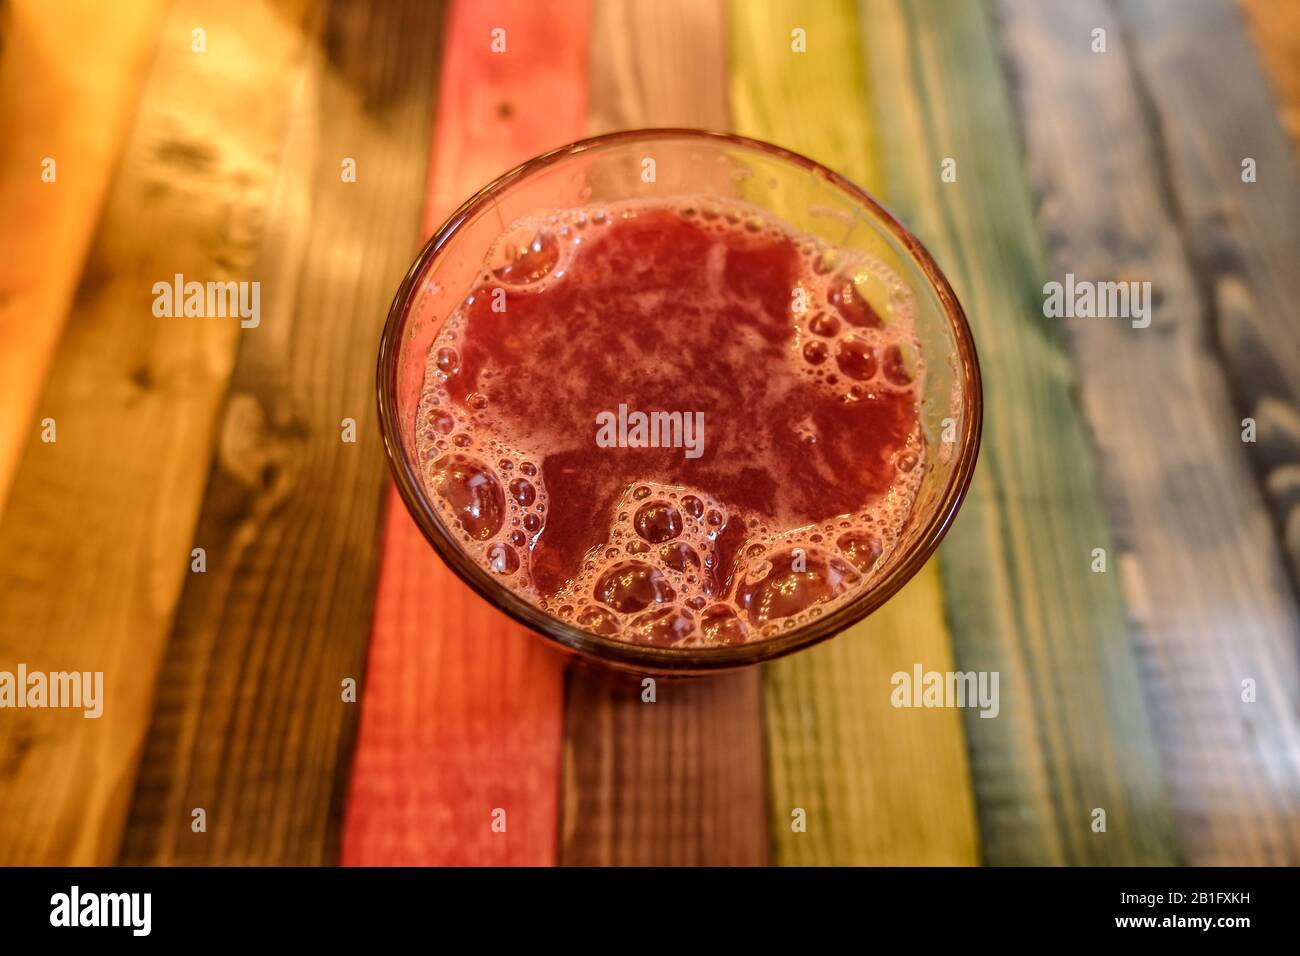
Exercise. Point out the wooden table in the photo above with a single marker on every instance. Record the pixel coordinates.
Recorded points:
(1150, 703)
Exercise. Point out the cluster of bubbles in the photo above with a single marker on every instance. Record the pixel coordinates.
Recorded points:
(855, 333)
(657, 578)
(654, 579)
(493, 494)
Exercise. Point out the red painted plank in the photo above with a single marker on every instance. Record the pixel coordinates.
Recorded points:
(462, 710)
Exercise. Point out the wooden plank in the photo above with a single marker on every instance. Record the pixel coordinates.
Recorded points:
(96, 542)
(250, 722)
(1242, 238)
(1073, 735)
(680, 781)
(74, 110)
(1275, 30)
(656, 65)
(879, 785)
(1206, 585)
(462, 708)
(677, 782)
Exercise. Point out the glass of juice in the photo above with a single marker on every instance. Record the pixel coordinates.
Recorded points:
(679, 401)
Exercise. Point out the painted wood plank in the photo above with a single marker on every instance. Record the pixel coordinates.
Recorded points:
(1275, 30)
(75, 111)
(1204, 578)
(682, 780)
(250, 722)
(1073, 735)
(462, 709)
(95, 544)
(1242, 238)
(879, 785)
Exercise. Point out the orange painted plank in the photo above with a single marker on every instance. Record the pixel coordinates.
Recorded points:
(1275, 30)
(462, 709)
(76, 111)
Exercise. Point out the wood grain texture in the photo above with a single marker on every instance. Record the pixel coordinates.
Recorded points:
(250, 722)
(74, 110)
(1073, 734)
(658, 64)
(462, 709)
(1242, 239)
(680, 781)
(879, 785)
(1275, 30)
(1205, 581)
(96, 541)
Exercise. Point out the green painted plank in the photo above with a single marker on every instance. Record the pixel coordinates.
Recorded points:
(1073, 735)
(879, 785)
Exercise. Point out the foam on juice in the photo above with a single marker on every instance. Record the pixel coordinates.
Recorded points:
(802, 359)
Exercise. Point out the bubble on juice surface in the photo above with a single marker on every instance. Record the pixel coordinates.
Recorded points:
(448, 361)
(522, 491)
(679, 556)
(472, 491)
(900, 364)
(789, 582)
(662, 627)
(722, 625)
(823, 325)
(443, 422)
(856, 359)
(632, 586)
(860, 548)
(598, 621)
(815, 352)
(502, 559)
(524, 255)
(658, 521)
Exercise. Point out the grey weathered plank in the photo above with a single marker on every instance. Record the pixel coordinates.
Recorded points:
(1204, 580)
(1214, 109)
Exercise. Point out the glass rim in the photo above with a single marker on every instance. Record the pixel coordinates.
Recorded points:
(669, 660)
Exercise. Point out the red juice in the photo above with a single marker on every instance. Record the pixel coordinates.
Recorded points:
(677, 424)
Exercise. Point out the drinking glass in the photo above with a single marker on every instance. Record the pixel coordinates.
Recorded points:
(688, 163)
